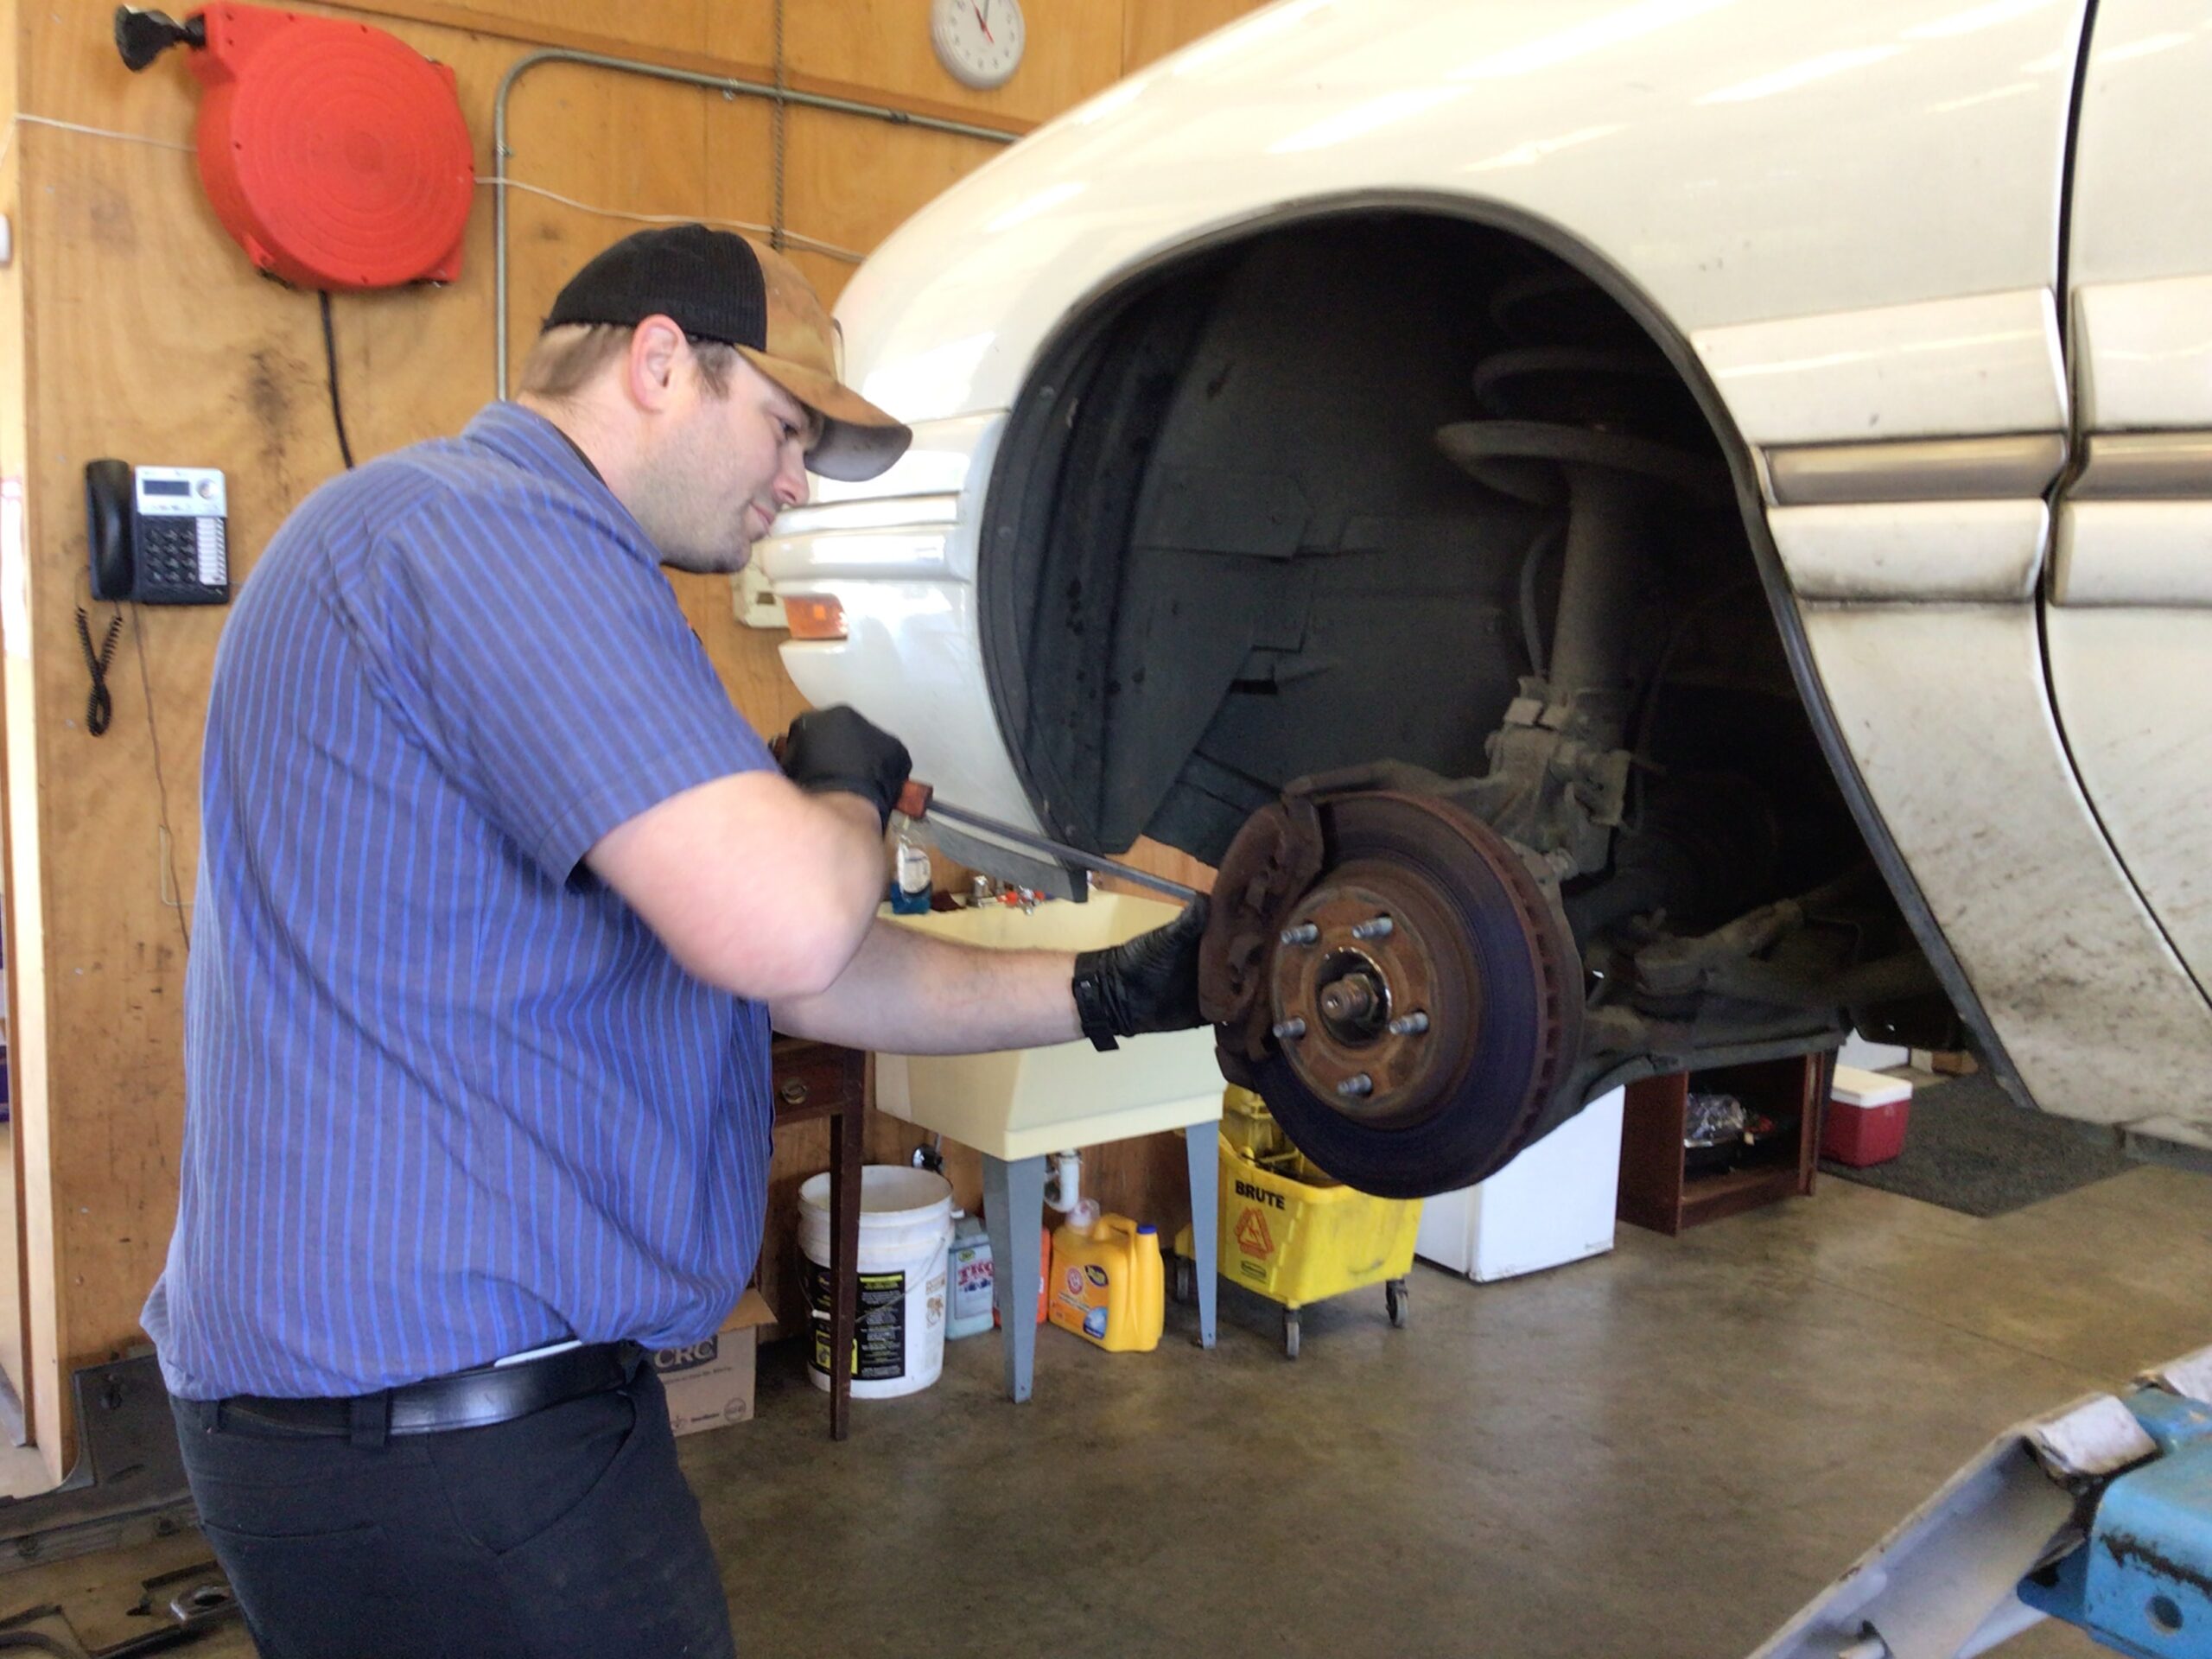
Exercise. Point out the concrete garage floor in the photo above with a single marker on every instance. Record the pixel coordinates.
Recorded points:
(1660, 1453)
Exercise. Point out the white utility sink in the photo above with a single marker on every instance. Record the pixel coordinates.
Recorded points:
(1026, 1102)
(1014, 1108)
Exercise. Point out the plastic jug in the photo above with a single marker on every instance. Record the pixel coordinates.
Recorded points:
(972, 1277)
(1107, 1284)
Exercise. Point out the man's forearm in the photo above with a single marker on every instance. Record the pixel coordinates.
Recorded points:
(908, 992)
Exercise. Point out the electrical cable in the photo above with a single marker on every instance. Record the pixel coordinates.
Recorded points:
(337, 408)
(812, 244)
(99, 707)
(161, 779)
(96, 132)
(790, 238)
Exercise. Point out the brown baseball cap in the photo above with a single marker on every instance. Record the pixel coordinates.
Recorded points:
(718, 285)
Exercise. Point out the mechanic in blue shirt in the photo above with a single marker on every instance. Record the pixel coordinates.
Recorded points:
(498, 895)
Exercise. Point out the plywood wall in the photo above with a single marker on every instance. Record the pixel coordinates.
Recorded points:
(144, 334)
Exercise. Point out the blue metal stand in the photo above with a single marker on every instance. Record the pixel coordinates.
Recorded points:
(1201, 1143)
(2099, 1514)
(1013, 1202)
(2142, 1585)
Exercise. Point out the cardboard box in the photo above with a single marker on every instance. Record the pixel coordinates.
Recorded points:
(1950, 1063)
(710, 1383)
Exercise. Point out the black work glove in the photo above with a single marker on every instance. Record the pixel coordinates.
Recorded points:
(835, 750)
(1149, 983)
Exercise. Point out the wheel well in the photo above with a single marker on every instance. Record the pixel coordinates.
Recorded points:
(1225, 547)
(1229, 550)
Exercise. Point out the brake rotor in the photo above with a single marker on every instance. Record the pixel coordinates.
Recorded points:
(1383, 967)
(1373, 993)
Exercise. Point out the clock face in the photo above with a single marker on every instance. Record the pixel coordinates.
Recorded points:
(978, 41)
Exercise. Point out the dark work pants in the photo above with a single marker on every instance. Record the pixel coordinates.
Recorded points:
(568, 1532)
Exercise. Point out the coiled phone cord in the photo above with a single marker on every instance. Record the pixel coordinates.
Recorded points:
(99, 707)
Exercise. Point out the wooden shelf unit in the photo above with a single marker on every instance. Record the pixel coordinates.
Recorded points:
(1656, 1192)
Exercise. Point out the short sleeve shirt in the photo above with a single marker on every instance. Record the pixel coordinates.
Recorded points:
(447, 1097)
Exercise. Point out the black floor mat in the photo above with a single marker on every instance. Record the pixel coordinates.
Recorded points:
(1969, 1148)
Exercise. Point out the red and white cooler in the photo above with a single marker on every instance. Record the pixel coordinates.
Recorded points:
(1866, 1117)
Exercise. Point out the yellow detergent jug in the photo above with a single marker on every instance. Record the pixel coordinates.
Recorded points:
(1107, 1283)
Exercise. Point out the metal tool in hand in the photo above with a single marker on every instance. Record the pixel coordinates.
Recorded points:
(917, 800)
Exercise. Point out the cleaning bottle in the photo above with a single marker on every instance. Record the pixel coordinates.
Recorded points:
(972, 1277)
(1151, 1281)
(911, 878)
(1108, 1282)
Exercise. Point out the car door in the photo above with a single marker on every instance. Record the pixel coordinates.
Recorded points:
(2128, 599)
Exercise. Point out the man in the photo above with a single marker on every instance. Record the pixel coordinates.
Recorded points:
(498, 897)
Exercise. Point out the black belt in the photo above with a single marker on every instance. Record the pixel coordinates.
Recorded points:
(475, 1399)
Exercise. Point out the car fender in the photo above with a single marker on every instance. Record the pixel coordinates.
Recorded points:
(1730, 173)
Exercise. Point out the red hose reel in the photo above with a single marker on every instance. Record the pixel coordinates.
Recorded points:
(335, 154)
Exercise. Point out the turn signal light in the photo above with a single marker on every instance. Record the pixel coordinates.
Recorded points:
(814, 616)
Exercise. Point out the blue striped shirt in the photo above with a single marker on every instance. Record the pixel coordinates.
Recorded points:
(447, 1097)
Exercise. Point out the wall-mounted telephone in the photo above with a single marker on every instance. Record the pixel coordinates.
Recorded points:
(158, 534)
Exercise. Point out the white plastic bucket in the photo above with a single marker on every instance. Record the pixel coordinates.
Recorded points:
(905, 1231)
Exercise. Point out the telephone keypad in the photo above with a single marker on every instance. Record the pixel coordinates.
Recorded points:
(179, 555)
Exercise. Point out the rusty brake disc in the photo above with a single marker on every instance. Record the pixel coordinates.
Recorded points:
(1384, 969)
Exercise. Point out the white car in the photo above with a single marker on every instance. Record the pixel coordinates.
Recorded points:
(1692, 513)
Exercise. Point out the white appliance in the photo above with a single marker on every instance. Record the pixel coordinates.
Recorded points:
(1871, 1057)
(1551, 1205)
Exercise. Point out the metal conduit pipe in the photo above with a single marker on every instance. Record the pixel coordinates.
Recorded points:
(729, 86)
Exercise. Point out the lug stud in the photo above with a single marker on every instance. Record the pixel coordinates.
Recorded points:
(1409, 1024)
(1361, 1084)
(1379, 928)
(1304, 934)
(1285, 1030)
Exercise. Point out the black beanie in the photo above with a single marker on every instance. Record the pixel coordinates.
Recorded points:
(706, 282)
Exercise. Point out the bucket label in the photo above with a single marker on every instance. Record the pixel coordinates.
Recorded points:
(879, 1325)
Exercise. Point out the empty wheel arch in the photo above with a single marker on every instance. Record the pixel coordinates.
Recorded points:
(1400, 483)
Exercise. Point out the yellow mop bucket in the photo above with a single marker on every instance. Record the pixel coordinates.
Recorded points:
(1293, 1234)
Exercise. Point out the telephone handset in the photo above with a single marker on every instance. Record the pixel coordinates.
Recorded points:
(157, 534)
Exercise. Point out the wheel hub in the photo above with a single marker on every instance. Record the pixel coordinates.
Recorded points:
(1385, 968)
(1368, 947)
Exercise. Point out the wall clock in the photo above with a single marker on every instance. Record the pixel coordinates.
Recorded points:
(979, 42)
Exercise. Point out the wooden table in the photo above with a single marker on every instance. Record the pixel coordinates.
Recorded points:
(816, 1080)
